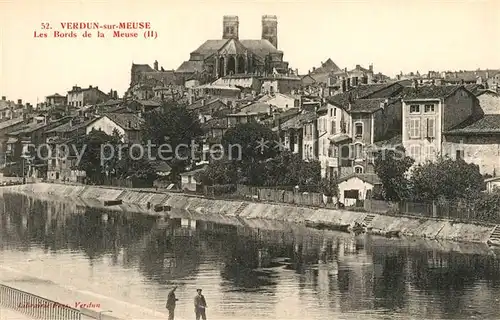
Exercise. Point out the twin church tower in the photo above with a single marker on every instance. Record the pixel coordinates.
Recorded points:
(230, 27)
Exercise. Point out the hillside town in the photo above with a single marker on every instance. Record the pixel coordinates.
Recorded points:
(337, 116)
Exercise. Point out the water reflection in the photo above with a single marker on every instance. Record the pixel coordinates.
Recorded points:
(289, 273)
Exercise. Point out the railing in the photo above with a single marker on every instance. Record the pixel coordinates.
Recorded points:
(35, 306)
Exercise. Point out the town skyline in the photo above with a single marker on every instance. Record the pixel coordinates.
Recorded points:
(326, 31)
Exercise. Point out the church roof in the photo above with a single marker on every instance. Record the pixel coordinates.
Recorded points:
(232, 46)
(258, 47)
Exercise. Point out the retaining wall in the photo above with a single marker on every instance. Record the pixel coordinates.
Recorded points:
(378, 224)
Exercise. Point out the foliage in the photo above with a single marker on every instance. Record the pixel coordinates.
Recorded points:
(219, 172)
(487, 206)
(92, 145)
(392, 166)
(288, 169)
(448, 179)
(175, 126)
(250, 137)
(330, 187)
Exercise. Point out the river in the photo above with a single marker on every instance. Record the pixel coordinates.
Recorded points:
(245, 273)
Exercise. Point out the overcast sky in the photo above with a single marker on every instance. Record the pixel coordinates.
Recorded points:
(393, 35)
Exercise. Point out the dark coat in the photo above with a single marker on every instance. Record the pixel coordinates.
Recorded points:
(171, 300)
(200, 302)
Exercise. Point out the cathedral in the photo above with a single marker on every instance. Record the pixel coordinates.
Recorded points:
(230, 55)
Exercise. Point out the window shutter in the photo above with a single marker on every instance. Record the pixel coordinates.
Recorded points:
(430, 128)
(423, 129)
(408, 127)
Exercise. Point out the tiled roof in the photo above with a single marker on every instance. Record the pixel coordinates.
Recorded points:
(370, 178)
(233, 46)
(141, 68)
(259, 47)
(429, 92)
(257, 107)
(327, 66)
(220, 123)
(488, 91)
(164, 77)
(366, 105)
(9, 123)
(298, 121)
(69, 126)
(473, 88)
(190, 67)
(489, 124)
(366, 90)
(199, 104)
(128, 121)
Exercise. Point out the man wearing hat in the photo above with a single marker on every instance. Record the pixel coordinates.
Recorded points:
(200, 305)
(171, 303)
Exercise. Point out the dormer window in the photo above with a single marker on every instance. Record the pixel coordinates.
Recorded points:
(429, 108)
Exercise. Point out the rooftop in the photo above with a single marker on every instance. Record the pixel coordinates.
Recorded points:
(429, 92)
(489, 124)
(127, 121)
(370, 178)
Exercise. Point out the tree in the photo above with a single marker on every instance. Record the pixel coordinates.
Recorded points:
(392, 166)
(97, 159)
(289, 169)
(448, 179)
(219, 172)
(330, 187)
(255, 141)
(174, 128)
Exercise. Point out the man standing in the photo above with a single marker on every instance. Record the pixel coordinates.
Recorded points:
(200, 305)
(171, 303)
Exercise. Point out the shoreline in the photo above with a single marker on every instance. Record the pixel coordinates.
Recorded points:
(233, 209)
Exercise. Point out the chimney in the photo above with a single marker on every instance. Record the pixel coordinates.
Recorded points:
(20, 101)
(415, 83)
(4, 98)
(371, 68)
(156, 65)
(296, 72)
(358, 67)
(314, 69)
(90, 87)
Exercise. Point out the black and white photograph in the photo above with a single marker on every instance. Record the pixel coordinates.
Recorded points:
(231, 160)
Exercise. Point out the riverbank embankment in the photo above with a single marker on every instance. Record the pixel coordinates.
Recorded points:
(380, 224)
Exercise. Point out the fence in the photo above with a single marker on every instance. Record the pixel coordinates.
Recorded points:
(283, 196)
(35, 306)
(457, 211)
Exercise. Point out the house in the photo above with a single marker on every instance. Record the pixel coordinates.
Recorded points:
(489, 101)
(354, 187)
(250, 82)
(358, 119)
(281, 101)
(492, 184)
(128, 125)
(188, 179)
(227, 94)
(291, 132)
(10, 109)
(55, 100)
(257, 111)
(280, 84)
(78, 97)
(6, 127)
(478, 143)
(205, 109)
(428, 112)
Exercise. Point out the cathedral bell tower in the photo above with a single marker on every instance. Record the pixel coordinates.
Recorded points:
(270, 29)
(230, 27)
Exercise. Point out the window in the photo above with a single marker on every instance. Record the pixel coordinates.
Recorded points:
(358, 151)
(430, 128)
(333, 127)
(414, 108)
(334, 112)
(414, 128)
(325, 147)
(358, 169)
(459, 154)
(358, 129)
(429, 108)
(415, 152)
